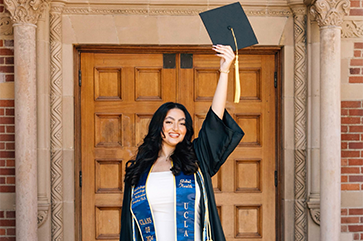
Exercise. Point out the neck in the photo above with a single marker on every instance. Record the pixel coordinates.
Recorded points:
(166, 151)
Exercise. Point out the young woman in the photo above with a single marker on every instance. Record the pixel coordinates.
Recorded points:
(168, 193)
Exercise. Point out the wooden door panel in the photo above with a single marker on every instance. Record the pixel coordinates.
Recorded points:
(120, 92)
(108, 84)
(245, 184)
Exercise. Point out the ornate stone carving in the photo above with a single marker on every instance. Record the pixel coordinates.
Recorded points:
(6, 27)
(56, 92)
(300, 128)
(352, 29)
(314, 207)
(43, 209)
(176, 11)
(330, 12)
(315, 215)
(25, 11)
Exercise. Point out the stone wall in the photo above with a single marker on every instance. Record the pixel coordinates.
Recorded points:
(7, 136)
(352, 167)
(352, 139)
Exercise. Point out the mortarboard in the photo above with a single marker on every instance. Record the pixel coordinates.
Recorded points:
(229, 25)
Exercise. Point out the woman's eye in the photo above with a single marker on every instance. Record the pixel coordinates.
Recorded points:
(182, 124)
(167, 122)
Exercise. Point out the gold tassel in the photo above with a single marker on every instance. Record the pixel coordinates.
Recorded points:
(237, 93)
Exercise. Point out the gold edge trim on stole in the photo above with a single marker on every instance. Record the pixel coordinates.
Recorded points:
(195, 205)
(175, 229)
(134, 217)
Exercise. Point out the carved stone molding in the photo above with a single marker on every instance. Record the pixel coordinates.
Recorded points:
(6, 27)
(352, 29)
(314, 207)
(330, 12)
(43, 211)
(56, 129)
(25, 11)
(172, 11)
(300, 128)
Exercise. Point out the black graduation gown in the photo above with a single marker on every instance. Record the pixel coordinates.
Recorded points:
(216, 141)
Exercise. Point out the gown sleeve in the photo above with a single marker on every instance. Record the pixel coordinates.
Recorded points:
(126, 219)
(216, 141)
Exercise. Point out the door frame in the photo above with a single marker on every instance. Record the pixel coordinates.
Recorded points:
(195, 49)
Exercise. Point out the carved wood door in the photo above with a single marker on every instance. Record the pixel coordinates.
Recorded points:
(119, 94)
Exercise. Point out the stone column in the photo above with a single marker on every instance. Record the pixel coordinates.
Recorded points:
(314, 66)
(329, 15)
(24, 14)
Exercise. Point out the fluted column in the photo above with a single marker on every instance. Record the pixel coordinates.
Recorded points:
(300, 114)
(329, 15)
(24, 14)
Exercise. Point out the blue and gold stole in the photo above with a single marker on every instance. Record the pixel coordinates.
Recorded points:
(184, 209)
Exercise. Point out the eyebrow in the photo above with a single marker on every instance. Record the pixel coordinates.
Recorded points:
(169, 117)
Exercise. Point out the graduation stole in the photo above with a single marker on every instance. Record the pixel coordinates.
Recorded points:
(184, 208)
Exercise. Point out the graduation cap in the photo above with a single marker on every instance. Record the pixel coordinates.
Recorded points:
(229, 25)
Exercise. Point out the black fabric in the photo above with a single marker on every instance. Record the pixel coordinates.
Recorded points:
(216, 141)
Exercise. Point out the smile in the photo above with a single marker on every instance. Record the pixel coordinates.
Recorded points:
(174, 135)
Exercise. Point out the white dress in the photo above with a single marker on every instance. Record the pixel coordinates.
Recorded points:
(160, 193)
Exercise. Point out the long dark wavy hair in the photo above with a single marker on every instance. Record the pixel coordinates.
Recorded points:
(183, 157)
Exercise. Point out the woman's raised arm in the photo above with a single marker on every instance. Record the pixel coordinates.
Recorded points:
(220, 95)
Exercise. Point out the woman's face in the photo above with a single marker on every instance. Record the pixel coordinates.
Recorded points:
(174, 127)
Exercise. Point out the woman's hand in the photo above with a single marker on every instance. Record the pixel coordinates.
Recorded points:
(227, 56)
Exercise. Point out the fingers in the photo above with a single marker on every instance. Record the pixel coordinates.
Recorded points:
(226, 53)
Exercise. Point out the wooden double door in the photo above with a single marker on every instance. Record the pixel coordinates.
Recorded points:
(120, 92)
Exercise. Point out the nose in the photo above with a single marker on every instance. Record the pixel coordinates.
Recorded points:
(175, 126)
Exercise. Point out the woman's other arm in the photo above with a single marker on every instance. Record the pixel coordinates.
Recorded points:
(219, 100)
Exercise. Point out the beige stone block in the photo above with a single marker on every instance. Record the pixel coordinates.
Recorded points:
(68, 122)
(313, 230)
(289, 173)
(288, 72)
(351, 92)
(68, 33)
(137, 29)
(181, 30)
(44, 232)
(68, 176)
(346, 236)
(314, 171)
(315, 122)
(268, 30)
(43, 62)
(315, 69)
(7, 90)
(289, 220)
(7, 201)
(43, 112)
(44, 180)
(314, 32)
(352, 199)
(347, 49)
(288, 116)
(67, 71)
(91, 29)
(287, 39)
(344, 71)
(68, 221)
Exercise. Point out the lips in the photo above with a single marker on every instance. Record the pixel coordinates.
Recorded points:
(174, 135)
